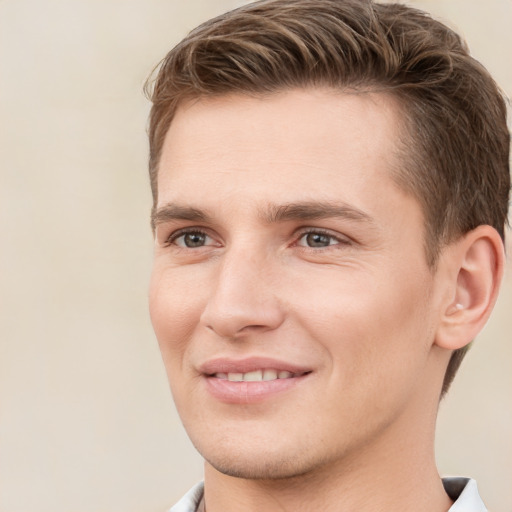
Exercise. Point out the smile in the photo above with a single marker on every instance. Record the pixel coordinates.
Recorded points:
(251, 380)
(257, 375)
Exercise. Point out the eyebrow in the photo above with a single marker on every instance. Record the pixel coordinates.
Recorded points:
(308, 210)
(311, 210)
(170, 212)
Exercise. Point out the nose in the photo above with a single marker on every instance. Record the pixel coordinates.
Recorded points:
(244, 297)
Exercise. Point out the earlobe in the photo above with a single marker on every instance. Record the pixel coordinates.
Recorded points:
(478, 260)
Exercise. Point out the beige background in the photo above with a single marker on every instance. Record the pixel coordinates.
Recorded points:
(86, 420)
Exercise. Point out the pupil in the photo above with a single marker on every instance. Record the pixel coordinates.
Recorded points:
(317, 240)
(194, 239)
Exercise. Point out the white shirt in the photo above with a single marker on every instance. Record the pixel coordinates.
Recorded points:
(463, 491)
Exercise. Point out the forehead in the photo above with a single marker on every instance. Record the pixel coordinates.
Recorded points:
(313, 143)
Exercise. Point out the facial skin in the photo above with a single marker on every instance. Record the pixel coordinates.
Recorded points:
(344, 296)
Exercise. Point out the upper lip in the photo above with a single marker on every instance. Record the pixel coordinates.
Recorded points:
(250, 364)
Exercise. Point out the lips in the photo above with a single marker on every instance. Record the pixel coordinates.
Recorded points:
(248, 365)
(250, 380)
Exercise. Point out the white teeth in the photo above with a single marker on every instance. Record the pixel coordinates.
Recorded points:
(269, 375)
(255, 376)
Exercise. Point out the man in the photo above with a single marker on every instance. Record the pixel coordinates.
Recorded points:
(330, 183)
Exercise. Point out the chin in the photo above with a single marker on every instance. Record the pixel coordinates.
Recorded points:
(262, 461)
(271, 468)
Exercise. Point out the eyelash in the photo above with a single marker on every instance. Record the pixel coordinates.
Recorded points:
(341, 240)
(171, 240)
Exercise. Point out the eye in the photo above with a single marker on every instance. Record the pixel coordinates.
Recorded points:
(191, 239)
(318, 239)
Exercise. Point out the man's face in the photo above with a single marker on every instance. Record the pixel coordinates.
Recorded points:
(290, 293)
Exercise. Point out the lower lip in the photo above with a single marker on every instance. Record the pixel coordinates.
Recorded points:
(249, 392)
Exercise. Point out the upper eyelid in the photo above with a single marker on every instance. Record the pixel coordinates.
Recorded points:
(183, 231)
(338, 236)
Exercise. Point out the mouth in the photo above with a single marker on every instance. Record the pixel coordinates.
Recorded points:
(263, 375)
(252, 380)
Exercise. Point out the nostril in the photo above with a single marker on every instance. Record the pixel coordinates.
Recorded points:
(249, 328)
(246, 329)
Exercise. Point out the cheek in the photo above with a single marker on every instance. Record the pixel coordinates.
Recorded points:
(372, 328)
(174, 310)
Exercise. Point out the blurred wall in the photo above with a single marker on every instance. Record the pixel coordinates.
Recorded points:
(86, 419)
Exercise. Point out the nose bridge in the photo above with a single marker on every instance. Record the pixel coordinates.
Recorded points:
(243, 297)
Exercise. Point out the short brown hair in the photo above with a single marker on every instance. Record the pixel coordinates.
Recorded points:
(455, 144)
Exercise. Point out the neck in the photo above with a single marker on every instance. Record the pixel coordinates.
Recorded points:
(396, 483)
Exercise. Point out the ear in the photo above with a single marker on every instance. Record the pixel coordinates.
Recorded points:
(476, 262)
